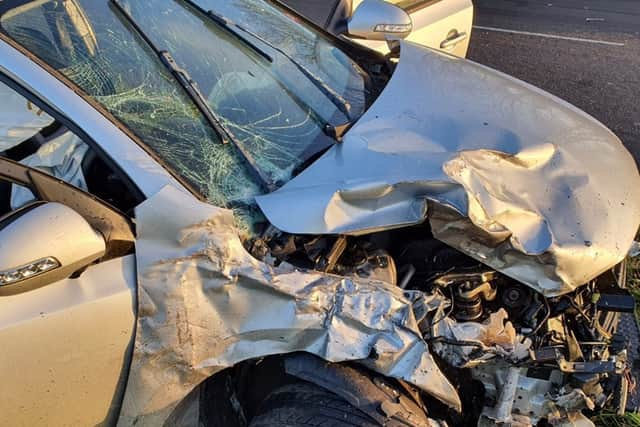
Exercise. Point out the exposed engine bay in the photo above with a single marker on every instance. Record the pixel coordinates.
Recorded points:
(515, 356)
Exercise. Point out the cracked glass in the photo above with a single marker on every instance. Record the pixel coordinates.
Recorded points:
(265, 102)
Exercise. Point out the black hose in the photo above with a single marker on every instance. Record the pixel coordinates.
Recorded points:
(546, 317)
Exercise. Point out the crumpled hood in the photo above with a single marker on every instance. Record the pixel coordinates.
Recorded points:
(506, 173)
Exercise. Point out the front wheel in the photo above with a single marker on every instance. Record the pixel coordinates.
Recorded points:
(305, 404)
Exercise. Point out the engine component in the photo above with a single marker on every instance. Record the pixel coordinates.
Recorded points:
(336, 255)
(575, 361)
(623, 303)
(615, 365)
(377, 265)
(515, 297)
(516, 395)
(469, 299)
(407, 271)
(504, 405)
(471, 290)
(530, 358)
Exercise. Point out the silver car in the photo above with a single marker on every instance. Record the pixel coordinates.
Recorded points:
(214, 213)
(439, 24)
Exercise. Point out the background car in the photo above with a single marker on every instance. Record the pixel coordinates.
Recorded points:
(439, 24)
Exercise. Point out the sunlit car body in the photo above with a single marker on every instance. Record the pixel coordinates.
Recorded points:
(443, 24)
(312, 202)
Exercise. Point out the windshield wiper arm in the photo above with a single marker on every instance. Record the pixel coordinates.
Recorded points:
(335, 98)
(226, 24)
(190, 87)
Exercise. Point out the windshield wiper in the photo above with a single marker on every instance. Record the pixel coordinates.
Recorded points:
(335, 98)
(226, 24)
(190, 87)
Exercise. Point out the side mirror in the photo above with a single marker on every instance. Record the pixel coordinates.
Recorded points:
(379, 20)
(43, 243)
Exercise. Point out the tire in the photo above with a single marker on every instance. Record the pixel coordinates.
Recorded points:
(305, 404)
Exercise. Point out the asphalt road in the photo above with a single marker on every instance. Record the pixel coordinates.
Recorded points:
(584, 51)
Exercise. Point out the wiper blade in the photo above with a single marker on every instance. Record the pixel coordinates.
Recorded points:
(335, 98)
(190, 87)
(226, 24)
(334, 131)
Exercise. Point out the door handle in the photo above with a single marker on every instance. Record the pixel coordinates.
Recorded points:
(453, 40)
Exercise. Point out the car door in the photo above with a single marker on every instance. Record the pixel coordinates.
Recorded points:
(65, 339)
(440, 24)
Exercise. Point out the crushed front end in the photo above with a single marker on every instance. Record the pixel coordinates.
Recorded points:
(510, 210)
(515, 356)
(473, 250)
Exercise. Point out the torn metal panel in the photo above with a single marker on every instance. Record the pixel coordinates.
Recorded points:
(505, 172)
(206, 304)
(497, 357)
(19, 119)
(536, 400)
(61, 157)
(532, 399)
(494, 338)
(565, 409)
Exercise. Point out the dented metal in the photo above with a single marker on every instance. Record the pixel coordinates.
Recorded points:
(477, 343)
(541, 204)
(206, 304)
(504, 172)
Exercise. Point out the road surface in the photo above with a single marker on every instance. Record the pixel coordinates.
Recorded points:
(584, 51)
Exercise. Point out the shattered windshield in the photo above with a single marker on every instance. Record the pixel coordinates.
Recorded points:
(266, 102)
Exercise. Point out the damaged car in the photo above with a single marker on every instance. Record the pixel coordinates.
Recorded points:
(215, 213)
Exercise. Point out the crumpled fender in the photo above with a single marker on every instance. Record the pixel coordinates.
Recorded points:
(503, 171)
(205, 304)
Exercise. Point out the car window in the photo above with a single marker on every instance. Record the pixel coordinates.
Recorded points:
(276, 111)
(32, 137)
(90, 44)
(267, 104)
(19, 119)
(304, 44)
(318, 11)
